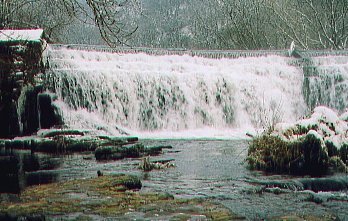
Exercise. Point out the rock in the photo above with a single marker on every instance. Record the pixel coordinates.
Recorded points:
(59, 132)
(129, 151)
(145, 164)
(99, 173)
(108, 153)
(118, 152)
(313, 184)
(12, 217)
(119, 140)
(9, 165)
(49, 116)
(148, 165)
(131, 182)
(40, 177)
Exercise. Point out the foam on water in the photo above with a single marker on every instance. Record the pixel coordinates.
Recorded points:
(172, 95)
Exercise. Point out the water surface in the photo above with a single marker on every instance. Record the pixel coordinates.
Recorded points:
(208, 169)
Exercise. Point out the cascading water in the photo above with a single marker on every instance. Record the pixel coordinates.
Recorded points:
(173, 93)
(326, 82)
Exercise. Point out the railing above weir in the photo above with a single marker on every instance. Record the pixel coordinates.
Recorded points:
(199, 53)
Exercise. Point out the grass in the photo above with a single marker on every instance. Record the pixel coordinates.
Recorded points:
(304, 156)
(272, 154)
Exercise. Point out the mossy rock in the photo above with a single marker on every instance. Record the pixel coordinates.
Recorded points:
(304, 218)
(109, 153)
(118, 152)
(128, 182)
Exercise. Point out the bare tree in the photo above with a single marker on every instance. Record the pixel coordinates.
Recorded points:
(54, 15)
(247, 24)
(312, 23)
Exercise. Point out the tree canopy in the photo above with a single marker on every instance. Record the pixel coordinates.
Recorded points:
(58, 16)
(196, 24)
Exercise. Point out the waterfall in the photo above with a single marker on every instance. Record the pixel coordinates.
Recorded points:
(326, 82)
(145, 93)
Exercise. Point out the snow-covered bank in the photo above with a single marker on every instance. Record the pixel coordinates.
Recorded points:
(324, 123)
(309, 146)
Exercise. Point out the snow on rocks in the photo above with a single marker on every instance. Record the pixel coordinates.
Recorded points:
(329, 127)
(308, 146)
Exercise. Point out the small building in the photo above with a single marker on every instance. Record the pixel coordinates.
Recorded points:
(20, 65)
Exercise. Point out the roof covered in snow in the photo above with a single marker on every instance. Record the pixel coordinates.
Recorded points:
(21, 35)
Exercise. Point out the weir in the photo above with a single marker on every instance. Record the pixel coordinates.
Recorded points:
(165, 91)
(142, 89)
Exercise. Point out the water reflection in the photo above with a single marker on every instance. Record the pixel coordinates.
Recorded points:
(19, 168)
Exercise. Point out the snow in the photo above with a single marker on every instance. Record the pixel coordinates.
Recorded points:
(315, 134)
(324, 124)
(326, 114)
(344, 116)
(25, 35)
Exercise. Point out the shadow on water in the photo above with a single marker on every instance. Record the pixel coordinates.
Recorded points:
(19, 169)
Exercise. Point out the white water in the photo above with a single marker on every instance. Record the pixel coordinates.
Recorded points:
(174, 96)
(328, 82)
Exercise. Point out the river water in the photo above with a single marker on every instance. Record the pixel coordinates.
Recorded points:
(208, 169)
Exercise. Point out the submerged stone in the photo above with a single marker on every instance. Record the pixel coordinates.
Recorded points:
(332, 184)
(148, 165)
(70, 140)
(60, 132)
(108, 153)
(128, 151)
(108, 198)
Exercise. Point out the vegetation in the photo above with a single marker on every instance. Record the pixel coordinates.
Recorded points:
(198, 24)
(306, 155)
(247, 24)
(60, 17)
(107, 196)
(310, 146)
